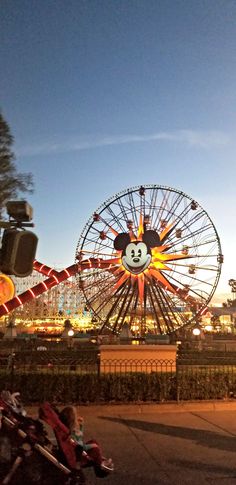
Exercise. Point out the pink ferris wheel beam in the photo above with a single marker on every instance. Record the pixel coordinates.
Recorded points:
(38, 289)
(54, 279)
(44, 269)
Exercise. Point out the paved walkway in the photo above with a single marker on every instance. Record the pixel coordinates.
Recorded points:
(191, 443)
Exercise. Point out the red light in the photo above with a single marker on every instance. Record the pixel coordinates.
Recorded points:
(5, 306)
(55, 278)
(19, 300)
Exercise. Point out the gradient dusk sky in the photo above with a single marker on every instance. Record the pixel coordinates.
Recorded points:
(108, 94)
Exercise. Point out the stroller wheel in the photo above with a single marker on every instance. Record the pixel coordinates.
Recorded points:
(77, 478)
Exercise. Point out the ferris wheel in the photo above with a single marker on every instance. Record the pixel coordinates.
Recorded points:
(149, 256)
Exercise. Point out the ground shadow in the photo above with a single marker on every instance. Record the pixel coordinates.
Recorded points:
(207, 467)
(209, 439)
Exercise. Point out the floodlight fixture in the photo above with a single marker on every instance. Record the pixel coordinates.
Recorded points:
(19, 210)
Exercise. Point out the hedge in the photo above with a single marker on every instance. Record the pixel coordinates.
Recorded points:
(125, 388)
(89, 388)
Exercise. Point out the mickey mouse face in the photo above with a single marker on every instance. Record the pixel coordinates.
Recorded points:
(136, 257)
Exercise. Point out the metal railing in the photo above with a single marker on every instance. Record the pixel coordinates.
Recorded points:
(176, 380)
(120, 366)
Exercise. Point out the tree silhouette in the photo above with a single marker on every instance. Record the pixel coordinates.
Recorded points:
(12, 182)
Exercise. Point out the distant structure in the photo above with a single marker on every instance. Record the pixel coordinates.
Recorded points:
(232, 284)
(63, 300)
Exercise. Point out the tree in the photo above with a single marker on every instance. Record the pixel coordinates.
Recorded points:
(11, 181)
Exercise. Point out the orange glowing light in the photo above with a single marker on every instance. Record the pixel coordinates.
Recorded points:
(7, 289)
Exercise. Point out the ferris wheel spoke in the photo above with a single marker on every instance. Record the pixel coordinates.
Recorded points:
(196, 219)
(188, 277)
(103, 291)
(97, 232)
(115, 298)
(161, 208)
(178, 199)
(133, 211)
(169, 215)
(156, 319)
(188, 289)
(99, 252)
(170, 237)
(124, 310)
(200, 243)
(172, 305)
(123, 211)
(165, 305)
(163, 309)
(154, 194)
(118, 298)
(115, 218)
(100, 234)
(168, 304)
(195, 233)
(187, 210)
(103, 283)
(181, 223)
(108, 223)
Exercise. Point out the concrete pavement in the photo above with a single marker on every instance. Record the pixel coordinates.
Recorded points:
(190, 443)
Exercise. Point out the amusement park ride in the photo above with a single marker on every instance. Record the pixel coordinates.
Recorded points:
(149, 255)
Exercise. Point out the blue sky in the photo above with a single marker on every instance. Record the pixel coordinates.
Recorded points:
(105, 95)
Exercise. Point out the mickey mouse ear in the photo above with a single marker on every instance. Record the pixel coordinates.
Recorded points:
(121, 241)
(151, 238)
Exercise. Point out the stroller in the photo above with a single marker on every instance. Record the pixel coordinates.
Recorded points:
(26, 453)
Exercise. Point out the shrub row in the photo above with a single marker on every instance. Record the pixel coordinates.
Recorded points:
(133, 387)
(89, 388)
(205, 385)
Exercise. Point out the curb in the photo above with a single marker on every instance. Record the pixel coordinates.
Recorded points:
(148, 408)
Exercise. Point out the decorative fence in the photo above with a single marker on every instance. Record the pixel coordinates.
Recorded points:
(81, 378)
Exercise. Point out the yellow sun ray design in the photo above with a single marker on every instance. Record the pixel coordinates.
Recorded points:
(166, 230)
(141, 285)
(140, 229)
(159, 263)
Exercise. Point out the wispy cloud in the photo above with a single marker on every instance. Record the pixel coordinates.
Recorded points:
(207, 139)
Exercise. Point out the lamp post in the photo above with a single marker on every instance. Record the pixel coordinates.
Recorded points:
(68, 333)
(197, 332)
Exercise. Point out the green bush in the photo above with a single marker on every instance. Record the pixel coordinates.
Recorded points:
(206, 384)
(187, 384)
(85, 388)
